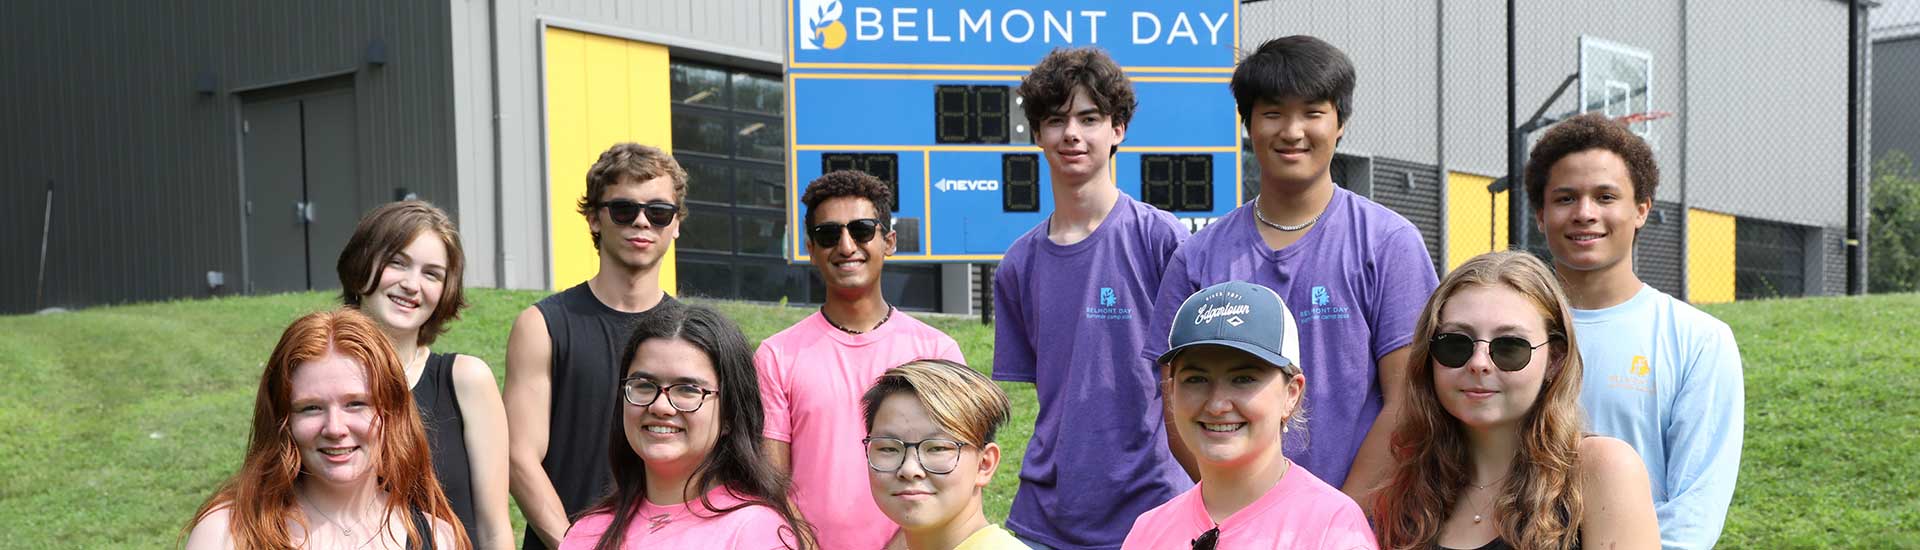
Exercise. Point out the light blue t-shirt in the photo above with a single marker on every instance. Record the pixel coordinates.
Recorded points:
(1665, 377)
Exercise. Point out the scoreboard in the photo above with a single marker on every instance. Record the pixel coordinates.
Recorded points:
(923, 94)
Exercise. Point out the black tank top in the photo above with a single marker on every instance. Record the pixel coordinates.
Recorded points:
(425, 527)
(587, 338)
(439, 408)
(1501, 544)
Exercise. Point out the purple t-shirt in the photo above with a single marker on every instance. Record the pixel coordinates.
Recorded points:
(1355, 283)
(1071, 320)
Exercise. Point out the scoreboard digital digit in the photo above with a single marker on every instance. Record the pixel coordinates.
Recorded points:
(924, 95)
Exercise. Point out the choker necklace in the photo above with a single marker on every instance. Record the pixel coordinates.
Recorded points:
(876, 326)
(1287, 228)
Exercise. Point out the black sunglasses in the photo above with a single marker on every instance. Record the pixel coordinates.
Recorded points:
(1510, 353)
(1208, 539)
(624, 212)
(827, 235)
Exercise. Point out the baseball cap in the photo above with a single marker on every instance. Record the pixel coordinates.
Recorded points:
(1239, 315)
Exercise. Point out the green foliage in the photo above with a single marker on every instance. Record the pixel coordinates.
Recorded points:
(1893, 234)
(116, 422)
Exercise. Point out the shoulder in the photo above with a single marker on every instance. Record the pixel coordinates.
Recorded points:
(468, 369)
(589, 527)
(443, 534)
(213, 531)
(1703, 326)
(1605, 462)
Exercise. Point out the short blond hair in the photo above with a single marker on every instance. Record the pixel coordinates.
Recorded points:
(962, 401)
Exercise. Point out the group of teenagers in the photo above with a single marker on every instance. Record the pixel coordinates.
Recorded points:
(1294, 375)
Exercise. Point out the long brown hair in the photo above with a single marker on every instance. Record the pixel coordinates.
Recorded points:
(260, 497)
(1539, 505)
(386, 231)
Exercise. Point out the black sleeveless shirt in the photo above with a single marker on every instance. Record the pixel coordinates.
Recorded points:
(588, 338)
(439, 408)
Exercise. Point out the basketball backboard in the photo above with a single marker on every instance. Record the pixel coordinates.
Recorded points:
(1616, 80)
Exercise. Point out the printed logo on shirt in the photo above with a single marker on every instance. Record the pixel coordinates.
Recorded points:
(1323, 308)
(1639, 368)
(1108, 309)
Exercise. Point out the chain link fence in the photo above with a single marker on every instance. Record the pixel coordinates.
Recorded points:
(1894, 205)
(1745, 104)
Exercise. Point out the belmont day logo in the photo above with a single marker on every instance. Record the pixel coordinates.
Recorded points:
(820, 26)
(1108, 308)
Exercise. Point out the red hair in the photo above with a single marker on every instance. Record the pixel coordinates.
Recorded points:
(1539, 505)
(260, 497)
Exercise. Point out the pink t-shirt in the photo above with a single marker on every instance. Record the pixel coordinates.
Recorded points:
(811, 378)
(690, 525)
(1299, 512)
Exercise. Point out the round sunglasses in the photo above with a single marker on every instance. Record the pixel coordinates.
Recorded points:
(625, 212)
(827, 235)
(1509, 353)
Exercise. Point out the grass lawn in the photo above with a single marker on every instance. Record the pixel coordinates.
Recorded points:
(115, 423)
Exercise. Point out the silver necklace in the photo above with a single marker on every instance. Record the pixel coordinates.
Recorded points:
(344, 531)
(1287, 228)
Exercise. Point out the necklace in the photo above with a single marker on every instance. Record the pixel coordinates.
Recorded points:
(344, 531)
(658, 521)
(1287, 228)
(1488, 501)
(876, 326)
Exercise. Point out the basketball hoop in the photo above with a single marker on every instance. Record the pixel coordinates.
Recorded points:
(1648, 116)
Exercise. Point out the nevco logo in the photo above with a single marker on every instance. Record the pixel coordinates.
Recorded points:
(820, 26)
(945, 185)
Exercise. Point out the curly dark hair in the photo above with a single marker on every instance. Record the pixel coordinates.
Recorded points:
(1291, 67)
(1587, 132)
(849, 183)
(1048, 88)
(631, 163)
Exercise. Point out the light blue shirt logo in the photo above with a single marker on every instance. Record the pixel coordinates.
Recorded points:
(1107, 297)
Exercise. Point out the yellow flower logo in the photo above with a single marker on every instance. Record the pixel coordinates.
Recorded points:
(1640, 366)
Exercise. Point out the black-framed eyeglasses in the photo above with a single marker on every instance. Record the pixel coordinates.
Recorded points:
(642, 392)
(625, 212)
(827, 235)
(1208, 540)
(1510, 353)
(937, 455)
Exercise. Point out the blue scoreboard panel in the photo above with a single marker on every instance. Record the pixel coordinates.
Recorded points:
(923, 95)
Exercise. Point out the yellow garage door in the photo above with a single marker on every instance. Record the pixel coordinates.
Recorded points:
(1476, 219)
(600, 90)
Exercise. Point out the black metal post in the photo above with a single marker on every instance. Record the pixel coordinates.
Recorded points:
(1516, 147)
(1856, 176)
(986, 294)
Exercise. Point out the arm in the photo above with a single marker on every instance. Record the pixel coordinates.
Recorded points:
(486, 434)
(529, 400)
(1175, 287)
(1374, 461)
(776, 435)
(1703, 444)
(1619, 499)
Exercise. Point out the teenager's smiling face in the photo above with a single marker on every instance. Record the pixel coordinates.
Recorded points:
(1293, 139)
(411, 284)
(1589, 213)
(1230, 407)
(1079, 139)
(333, 421)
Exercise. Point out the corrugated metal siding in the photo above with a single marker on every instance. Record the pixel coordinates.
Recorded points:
(102, 102)
(1657, 258)
(1833, 246)
(711, 30)
(1413, 190)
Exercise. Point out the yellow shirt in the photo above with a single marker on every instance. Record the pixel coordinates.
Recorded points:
(991, 537)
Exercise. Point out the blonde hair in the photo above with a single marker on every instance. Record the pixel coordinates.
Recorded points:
(962, 401)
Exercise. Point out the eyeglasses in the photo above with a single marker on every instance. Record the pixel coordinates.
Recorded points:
(827, 235)
(937, 456)
(1208, 539)
(624, 212)
(1510, 353)
(641, 392)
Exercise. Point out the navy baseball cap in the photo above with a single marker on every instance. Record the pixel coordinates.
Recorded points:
(1239, 315)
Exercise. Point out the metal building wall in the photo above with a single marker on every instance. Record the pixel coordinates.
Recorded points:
(1658, 252)
(506, 183)
(102, 102)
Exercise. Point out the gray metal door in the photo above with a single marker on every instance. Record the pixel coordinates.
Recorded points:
(271, 153)
(334, 203)
(298, 160)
